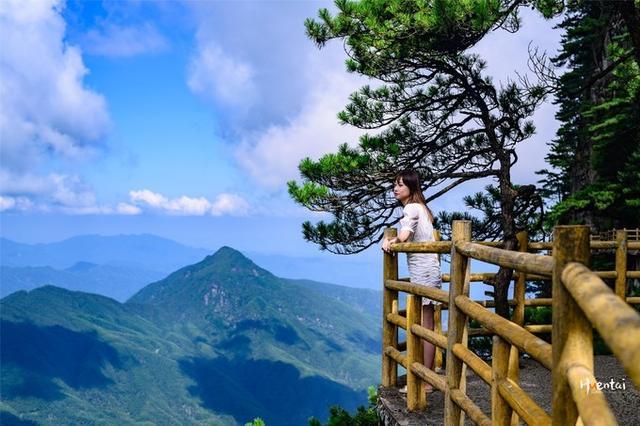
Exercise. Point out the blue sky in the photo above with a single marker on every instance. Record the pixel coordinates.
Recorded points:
(186, 119)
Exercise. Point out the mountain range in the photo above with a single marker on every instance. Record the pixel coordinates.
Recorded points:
(220, 341)
(118, 266)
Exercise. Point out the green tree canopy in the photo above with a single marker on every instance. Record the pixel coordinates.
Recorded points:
(434, 109)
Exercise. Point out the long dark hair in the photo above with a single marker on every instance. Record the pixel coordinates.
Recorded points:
(411, 180)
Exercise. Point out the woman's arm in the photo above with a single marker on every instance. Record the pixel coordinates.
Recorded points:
(401, 238)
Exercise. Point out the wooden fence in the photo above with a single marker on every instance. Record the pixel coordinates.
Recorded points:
(581, 301)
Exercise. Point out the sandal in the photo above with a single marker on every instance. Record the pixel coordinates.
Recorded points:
(428, 390)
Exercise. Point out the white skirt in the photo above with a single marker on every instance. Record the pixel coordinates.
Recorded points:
(424, 269)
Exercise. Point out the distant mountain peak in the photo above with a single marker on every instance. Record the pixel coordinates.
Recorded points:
(82, 267)
(228, 254)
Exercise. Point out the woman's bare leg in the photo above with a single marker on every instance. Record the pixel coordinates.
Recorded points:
(429, 348)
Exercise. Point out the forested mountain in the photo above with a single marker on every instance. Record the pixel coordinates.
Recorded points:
(117, 282)
(596, 153)
(218, 342)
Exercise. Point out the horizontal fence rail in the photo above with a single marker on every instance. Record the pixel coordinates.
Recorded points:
(581, 302)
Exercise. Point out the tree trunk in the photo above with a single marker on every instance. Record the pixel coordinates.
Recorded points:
(507, 204)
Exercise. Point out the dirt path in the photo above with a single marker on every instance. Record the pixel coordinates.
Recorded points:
(535, 380)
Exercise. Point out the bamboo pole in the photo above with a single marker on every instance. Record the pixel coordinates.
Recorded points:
(513, 333)
(437, 318)
(418, 290)
(416, 399)
(429, 335)
(500, 408)
(621, 264)
(423, 247)
(469, 407)
(533, 329)
(396, 355)
(602, 245)
(518, 317)
(617, 322)
(460, 271)
(389, 330)
(398, 321)
(520, 401)
(477, 364)
(429, 376)
(524, 262)
(591, 403)
(570, 243)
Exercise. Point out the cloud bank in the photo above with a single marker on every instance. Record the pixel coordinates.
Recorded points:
(224, 204)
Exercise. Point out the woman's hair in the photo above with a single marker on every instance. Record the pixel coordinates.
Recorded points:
(411, 180)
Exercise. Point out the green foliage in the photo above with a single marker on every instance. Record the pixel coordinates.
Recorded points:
(480, 345)
(597, 149)
(362, 417)
(438, 112)
(537, 315)
(256, 422)
(208, 339)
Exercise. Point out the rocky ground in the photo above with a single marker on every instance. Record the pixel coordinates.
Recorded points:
(534, 379)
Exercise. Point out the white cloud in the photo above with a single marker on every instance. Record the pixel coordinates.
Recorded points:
(122, 41)
(54, 193)
(229, 204)
(46, 112)
(217, 76)
(145, 196)
(272, 156)
(44, 106)
(128, 209)
(14, 203)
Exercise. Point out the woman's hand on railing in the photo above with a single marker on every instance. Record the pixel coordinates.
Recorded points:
(386, 244)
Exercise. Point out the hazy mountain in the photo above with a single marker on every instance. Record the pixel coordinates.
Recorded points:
(144, 251)
(218, 342)
(117, 282)
(343, 270)
(364, 300)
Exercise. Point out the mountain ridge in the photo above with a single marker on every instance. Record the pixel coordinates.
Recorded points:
(223, 337)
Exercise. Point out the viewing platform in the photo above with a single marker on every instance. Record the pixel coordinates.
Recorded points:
(527, 379)
(534, 379)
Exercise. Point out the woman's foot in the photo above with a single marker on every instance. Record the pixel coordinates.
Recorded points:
(425, 387)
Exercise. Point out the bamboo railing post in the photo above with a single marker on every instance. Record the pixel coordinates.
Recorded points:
(570, 328)
(518, 317)
(389, 300)
(621, 264)
(501, 412)
(416, 398)
(437, 325)
(456, 333)
(437, 320)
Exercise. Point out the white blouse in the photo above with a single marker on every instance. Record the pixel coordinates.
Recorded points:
(424, 268)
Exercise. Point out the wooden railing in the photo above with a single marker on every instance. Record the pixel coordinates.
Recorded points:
(580, 302)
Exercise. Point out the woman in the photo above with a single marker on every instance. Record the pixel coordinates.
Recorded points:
(424, 268)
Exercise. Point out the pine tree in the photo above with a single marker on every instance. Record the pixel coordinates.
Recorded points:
(596, 151)
(439, 113)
